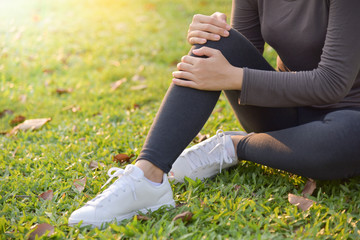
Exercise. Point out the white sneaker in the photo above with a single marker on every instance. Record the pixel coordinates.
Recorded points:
(205, 159)
(129, 194)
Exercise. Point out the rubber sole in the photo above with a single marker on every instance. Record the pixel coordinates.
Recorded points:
(99, 224)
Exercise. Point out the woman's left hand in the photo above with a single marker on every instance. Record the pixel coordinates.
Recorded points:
(214, 73)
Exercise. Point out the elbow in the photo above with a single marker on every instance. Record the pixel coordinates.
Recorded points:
(334, 93)
(333, 86)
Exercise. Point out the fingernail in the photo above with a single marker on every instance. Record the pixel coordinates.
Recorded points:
(217, 37)
(226, 33)
(228, 27)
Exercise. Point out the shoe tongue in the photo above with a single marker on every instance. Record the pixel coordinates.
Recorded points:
(134, 171)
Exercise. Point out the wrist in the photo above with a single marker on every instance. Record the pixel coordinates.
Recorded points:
(236, 78)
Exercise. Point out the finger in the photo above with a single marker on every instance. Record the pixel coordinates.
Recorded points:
(184, 67)
(208, 28)
(183, 75)
(220, 16)
(202, 34)
(184, 83)
(205, 51)
(189, 59)
(196, 40)
(210, 20)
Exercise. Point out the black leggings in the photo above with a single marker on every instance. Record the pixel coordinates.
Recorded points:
(316, 143)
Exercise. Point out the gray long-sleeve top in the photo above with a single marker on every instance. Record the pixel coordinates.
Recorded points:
(318, 42)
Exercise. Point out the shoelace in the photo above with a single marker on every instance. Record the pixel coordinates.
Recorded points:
(126, 179)
(210, 158)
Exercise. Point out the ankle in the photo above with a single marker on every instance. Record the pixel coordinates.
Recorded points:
(151, 172)
(236, 139)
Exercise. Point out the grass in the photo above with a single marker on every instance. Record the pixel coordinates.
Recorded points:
(86, 46)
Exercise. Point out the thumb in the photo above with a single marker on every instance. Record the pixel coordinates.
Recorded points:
(205, 51)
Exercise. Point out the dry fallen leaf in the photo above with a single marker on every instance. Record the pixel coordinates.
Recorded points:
(73, 108)
(219, 109)
(142, 218)
(185, 216)
(31, 124)
(117, 84)
(139, 87)
(93, 165)
(200, 137)
(309, 188)
(48, 195)
(301, 202)
(138, 78)
(122, 158)
(41, 229)
(136, 106)
(6, 111)
(61, 91)
(237, 187)
(18, 119)
(23, 98)
(80, 184)
(48, 71)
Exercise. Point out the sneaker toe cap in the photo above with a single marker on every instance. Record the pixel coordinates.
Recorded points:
(86, 214)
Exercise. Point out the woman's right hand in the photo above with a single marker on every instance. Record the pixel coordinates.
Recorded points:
(205, 28)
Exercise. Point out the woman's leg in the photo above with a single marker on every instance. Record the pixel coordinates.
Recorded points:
(325, 148)
(184, 111)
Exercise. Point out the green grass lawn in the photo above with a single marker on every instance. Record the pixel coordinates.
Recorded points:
(84, 47)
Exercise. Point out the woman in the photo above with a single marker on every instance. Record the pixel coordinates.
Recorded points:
(305, 118)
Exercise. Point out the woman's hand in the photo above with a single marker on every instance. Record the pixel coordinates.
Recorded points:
(214, 73)
(205, 28)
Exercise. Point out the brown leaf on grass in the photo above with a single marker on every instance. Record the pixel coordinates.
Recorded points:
(219, 109)
(142, 218)
(48, 71)
(237, 187)
(185, 216)
(301, 202)
(136, 106)
(23, 98)
(200, 137)
(122, 158)
(18, 119)
(41, 229)
(309, 188)
(93, 165)
(6, 111)
(74, 128)
(31, 124)
(61, 91)
(117, 84)
(48, 195)
(80, 184)
(139, 87)
(138, 78)
(73, 108)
